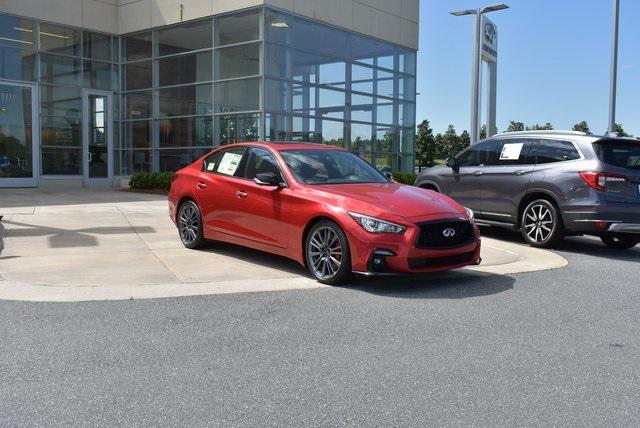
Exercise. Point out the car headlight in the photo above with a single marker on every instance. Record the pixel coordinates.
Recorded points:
(470, 213)
(375, 225)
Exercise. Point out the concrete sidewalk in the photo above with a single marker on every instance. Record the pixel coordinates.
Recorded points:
(109, 244)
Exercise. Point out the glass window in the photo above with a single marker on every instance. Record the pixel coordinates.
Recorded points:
(98, 75)
(330, 167)
(331, 103)
(16, 139)
(304, 129)
(480, 154)
(365, 50)
(406, 114)
(361, 136)
(548, 151)
(137, 46)
(61, 131)
(138, 75)
(407, 61)
(275, 97)
(61, 161)
(17, 48)
(305, 66)
(361, 108)
(138, 105)
(261, 161)
(407, 140)
(320, 38)
(332, 133)
(96, 46)
(237, 95)
(171, 160)
(384, 111)
(304, 99)
(233, 128)
(185, 37)
(386, 61)
(187, 132)
(332, 74)
(624, 154)
(185, 100)
(407, 88)
(60, 70)
(278, 27)
(276, 127)
(60, 101)
(361, 79)
(136, 160)
(231, 162)
(277, 60)
(385, 84)
(185, 69)
(384, 139)
(238, 61)
(137, 134)
(237, 28)
(515, 151)
(59, 39)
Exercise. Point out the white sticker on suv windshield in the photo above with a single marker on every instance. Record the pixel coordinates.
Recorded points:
(511, 151)
(229, 163)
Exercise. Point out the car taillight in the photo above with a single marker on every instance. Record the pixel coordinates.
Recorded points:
(599, 180)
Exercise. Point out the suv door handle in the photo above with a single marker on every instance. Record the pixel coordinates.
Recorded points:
(201, 185)
(241, 194)
(478, 173)
(519, 172)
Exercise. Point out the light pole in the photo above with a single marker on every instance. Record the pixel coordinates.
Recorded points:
(475, 77)
(614, 66)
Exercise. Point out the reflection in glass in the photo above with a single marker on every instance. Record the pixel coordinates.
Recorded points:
(137, 134)
(137, 75)
(137, 46)
(16, 137)
(97, 75)
(186, 132)
(236, 128)
(361, 108)
(320, 38)
(61, 161)
(138, 105)
(59, 70)
(275, 95)
(332, 74)
(174, 159)
(60, 101)
(237, 28)
(61, 131)
(98, 138)
(136, 161)
(237, 95)
(384, 113)
(17, 48)
(276, 127)
(96, 46)
(361, 136)
(185, 100)
(59, 39)
(185, 37)
(278, 27)
(238, 61)
(384, 139)
(277, 61)
(185, 69)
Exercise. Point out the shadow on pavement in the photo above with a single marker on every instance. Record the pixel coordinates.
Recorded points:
(586, 245)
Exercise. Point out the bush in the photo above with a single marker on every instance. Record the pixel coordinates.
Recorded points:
(405, 178)
(151, 180)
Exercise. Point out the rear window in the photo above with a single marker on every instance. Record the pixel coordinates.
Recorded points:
(625, 154)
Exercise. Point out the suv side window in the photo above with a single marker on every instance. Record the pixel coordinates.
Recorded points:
(227, 162)
(262, 161)
(549, 151)
(516, 151)
(480, 154)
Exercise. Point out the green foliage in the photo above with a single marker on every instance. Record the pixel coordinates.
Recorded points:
(426, 150)
(405, 178)
(450, 144)
(618, 129)
(582, 127)
(537, 127)
(151, 180)
(515, 126)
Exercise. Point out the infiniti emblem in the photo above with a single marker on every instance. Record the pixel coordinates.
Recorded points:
(449, 233)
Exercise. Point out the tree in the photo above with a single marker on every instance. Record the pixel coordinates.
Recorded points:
(537, 127)
(450, 143)
(483, 132)
(426, 149)
(618, 129)
(515, 126)
(582, 127)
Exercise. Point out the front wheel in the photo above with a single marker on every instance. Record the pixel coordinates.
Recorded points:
(327, 253)
(190, 225)
(541, 225)
(619, 242)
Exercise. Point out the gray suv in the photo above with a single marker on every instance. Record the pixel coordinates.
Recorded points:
(548, 184)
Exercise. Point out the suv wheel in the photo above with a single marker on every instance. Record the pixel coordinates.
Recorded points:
(541, 224)
(620, 242)
(327, 253)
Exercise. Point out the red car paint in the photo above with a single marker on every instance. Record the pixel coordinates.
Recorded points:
(239, 211)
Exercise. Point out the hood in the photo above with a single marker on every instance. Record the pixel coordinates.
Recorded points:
(399, 199)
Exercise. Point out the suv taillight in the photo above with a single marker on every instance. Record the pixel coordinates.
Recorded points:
(599, 180)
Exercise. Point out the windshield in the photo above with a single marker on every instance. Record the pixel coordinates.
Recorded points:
(625, 154)
(330, 167)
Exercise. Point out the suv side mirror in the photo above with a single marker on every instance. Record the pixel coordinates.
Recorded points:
(452, 163)
(267, 179)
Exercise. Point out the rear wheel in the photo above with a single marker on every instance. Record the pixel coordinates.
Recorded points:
(327, 253)
(541, 225)
(190, 225)
(620, 242)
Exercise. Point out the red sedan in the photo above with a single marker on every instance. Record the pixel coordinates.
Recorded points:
(322, 206)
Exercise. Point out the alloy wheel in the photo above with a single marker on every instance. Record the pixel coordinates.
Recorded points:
(538, 223)
(325, 252)
(189, 224)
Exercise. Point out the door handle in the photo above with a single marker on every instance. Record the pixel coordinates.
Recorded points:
(201, 185)
(519, 172)
(476, 173)
(241, 194)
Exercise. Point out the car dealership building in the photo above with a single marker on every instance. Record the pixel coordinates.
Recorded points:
(92, 91)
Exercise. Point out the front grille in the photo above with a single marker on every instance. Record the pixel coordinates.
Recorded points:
(433, 235)
(440, 261)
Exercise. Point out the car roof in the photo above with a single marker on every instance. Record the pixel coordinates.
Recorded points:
(559, 134)
(286, 145)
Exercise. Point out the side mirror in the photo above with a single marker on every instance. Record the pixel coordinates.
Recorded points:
(267, 179)
(452, 163)
(388, 175)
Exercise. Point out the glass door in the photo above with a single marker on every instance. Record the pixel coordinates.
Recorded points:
(97, 141)
(18, 135)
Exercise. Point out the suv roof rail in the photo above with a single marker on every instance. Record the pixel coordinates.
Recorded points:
(544, 131)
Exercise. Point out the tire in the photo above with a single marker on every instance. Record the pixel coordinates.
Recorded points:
(541, 225)
(189, 222)
(620, 242)
(327, 253)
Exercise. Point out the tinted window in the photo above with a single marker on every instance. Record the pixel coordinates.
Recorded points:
(619, 153)
(262, 161)
(227, 162)
(549, 151)
(330, 167)
(513, 152)
(479, 155)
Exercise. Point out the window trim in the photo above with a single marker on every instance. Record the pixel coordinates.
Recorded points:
(278, 163)
(224, 149)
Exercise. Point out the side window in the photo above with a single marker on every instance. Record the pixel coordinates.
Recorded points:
(227, 162)
(549, 151)
(517, 151)
(262, 161)
(478, 155)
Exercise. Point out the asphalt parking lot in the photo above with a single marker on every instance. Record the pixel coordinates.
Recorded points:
(556, 347)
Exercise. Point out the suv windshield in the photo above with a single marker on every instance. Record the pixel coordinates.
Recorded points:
(625, 154)
(330, 167)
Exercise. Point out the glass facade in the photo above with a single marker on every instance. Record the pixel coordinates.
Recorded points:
(183, 89)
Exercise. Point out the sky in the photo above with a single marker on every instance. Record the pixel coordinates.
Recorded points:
(553, 63)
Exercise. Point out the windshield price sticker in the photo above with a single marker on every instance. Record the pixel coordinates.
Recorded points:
(511, 151)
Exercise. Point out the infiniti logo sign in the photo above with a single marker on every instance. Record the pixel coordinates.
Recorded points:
(449, 233)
